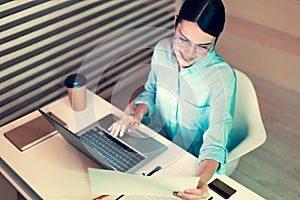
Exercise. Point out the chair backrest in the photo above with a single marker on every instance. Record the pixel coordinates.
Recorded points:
(248, 129)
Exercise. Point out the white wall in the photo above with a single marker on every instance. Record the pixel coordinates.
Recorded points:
(280, 15)
(262, 38)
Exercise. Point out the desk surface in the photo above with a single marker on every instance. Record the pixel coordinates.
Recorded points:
(56, 170)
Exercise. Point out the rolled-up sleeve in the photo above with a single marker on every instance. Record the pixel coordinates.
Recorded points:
(222, 87)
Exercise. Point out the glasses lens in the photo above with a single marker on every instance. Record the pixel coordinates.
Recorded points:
(181, 42)
(199, 50)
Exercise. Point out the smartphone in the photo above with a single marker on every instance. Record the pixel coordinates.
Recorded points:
(221, 188)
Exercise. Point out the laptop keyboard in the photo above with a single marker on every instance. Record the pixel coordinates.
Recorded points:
(117, 154)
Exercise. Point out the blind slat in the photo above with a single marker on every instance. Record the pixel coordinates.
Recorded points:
(21, 65)
(44, 41)
(49, 41)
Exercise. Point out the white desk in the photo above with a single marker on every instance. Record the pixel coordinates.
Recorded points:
(54, 169)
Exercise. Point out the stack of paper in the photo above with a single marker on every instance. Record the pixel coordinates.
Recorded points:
(116, 183)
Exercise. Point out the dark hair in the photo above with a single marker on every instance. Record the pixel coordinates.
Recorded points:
(208, 14)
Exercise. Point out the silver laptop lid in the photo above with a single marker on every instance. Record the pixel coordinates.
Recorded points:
(144, 144)
(75, 141)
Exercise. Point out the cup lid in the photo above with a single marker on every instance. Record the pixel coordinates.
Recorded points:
(75, 81)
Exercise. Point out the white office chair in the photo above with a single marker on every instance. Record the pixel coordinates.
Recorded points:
(248, 129)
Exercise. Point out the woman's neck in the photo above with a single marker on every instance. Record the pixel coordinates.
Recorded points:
(180, 66)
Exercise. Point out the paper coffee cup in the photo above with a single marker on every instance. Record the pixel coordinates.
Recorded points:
(76, 87)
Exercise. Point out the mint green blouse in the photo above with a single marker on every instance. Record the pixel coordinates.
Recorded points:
(194, 106)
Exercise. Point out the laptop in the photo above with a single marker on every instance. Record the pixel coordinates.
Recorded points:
(127, 154)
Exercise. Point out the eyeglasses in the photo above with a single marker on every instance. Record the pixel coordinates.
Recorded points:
(200, 49)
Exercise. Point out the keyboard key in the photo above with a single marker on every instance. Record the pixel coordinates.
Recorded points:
(118, 155)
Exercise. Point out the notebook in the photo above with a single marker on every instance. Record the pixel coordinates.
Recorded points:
(126, 154)
(32, 132)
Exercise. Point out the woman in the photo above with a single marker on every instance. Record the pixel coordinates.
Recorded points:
(191, 90)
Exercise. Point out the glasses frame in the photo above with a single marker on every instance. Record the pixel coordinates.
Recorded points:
(199, 49)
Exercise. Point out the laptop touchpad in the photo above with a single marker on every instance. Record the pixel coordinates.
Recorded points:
(144, 145)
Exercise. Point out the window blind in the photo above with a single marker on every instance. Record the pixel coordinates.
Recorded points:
(44, 41)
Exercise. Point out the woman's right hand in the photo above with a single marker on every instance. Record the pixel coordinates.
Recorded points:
(127, 122)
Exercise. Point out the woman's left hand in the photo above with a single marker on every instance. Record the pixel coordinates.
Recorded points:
(201, 192)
